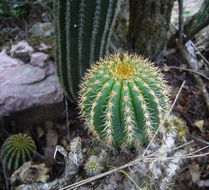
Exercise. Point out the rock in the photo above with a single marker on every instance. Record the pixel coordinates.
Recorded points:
(22, 50)
(202, 40)
(29, 92)
(7, 61)
(43, 47)
(29, 173)
(191, 7)
(38, 59)
(42, 29)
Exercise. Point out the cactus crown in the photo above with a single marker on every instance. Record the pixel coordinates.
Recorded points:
(16, 150)
(123, 99)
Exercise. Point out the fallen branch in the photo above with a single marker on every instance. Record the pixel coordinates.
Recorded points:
(189, 70)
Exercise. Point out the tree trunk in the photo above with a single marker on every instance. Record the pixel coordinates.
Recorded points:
(148, 26)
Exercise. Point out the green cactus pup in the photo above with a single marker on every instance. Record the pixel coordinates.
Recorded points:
(16, 150)
(93, 166)
(123, 99)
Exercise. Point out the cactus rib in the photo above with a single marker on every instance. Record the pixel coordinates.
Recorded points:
(82, 30)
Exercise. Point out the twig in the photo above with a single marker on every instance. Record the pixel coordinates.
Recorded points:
(199, 53)
(196, 151)
(199, 140)
(77, 184)
(189, 70)
(181, 22)
(183, 145)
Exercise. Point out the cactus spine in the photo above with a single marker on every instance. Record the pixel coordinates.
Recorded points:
(123, 100)
(82, 34)
(16, 150)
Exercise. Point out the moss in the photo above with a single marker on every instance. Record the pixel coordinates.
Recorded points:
(175, 123)
(47, 27)
(36, 41)
(179, 125)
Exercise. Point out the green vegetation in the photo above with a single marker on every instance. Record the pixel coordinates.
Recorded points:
(14, 11)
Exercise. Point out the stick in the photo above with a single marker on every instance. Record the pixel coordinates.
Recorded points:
(189, 70)
(181, 22)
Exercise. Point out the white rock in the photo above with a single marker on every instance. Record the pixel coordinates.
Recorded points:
(38, 59)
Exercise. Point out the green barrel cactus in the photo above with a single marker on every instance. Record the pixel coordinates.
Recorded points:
(82, 30)
(16, 150)
(123, 99)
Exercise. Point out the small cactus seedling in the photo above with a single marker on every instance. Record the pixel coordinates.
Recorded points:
(123, 99)
(16, 150)
(93, 166)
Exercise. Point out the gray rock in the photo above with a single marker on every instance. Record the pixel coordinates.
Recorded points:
(42, 29)
(22, 50)
(38, 59)
(28, 87)
(202, 40)
(191, 7)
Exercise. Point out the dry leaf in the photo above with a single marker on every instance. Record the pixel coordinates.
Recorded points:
(199, 124)
(39, 131)
(166, 69)
(195, 173)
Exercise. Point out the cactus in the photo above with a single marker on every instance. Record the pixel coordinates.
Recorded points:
(93, 166)
(123, 99)
(16, 150)
(82, 35)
